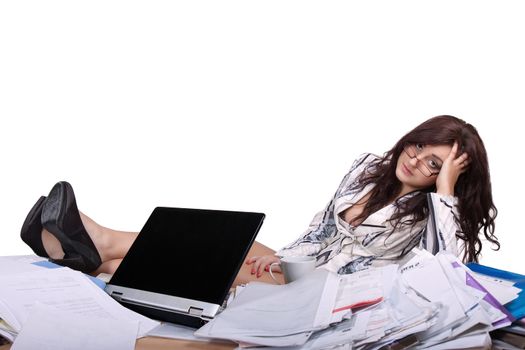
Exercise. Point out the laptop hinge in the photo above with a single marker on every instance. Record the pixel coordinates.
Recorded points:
(117, 295)
(195, 311)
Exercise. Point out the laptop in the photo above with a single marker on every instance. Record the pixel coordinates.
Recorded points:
(183, 263)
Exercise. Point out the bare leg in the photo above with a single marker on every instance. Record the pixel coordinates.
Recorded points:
(112, 245)
(108, 267)
(245, 273)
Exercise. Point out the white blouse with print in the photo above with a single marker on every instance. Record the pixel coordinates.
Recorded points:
(343, 248)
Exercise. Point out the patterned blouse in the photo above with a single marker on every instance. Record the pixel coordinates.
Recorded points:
(343, 248)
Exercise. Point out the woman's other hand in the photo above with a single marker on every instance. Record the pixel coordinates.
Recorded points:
(262, 263)
(450, 170)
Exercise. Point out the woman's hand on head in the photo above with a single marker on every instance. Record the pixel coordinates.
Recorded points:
(262, 263)
(450, 170)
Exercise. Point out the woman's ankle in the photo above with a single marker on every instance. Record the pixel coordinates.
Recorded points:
(96, 233)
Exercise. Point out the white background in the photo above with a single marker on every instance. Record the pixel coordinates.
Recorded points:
(241, 105)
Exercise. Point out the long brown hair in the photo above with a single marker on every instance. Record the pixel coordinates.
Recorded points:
(473, 188)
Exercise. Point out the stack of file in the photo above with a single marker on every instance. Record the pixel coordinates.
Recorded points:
(512, 336)
(36, 301)
(430, 302)
(272, 315)
(3, 340)
(466, 310)
(433, 302)
(508, 286)
(503, 280)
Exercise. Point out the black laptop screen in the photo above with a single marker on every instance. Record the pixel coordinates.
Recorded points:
(189, 253)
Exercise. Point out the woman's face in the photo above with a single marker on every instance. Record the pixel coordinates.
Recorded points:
(418, 165)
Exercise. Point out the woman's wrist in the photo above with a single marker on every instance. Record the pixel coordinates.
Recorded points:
(445, 192)
(445, 189)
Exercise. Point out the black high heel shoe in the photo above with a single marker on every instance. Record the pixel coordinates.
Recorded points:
(31, 232)
(61, 217)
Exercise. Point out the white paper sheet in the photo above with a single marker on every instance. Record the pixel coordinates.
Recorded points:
(358, 289)
(468, 342)
(10, 265)
(64, 289)
(341, 333)
(425, 275)
(265, 310)
(503, 291)
(175, 331)
(48, 328)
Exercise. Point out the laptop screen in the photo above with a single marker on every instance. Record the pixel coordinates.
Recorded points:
(190, 253)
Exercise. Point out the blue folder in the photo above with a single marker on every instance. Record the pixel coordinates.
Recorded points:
(517, 306)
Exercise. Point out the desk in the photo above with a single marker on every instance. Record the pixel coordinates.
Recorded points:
(154, 343)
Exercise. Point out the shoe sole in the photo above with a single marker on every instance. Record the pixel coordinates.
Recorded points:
(31, 215)
(52, 219)
(51, 213)
(28, 233)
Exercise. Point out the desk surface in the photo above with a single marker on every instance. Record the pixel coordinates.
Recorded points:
(154, 343)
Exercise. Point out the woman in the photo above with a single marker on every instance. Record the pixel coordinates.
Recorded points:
(431, 190)
(435, 195)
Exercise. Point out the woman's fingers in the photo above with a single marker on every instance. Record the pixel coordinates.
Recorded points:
(266, 261)
(462, 158)
(453, 151)
(257, 266)
(453, 166)
(262, 263)
(251, 260)
(462, 162)
(275, 268)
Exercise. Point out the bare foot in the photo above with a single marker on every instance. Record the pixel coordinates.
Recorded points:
(52, 245)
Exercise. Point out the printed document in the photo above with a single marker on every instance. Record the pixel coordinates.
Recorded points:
(48, 328)
(63, 289)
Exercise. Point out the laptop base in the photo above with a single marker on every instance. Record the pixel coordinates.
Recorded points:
(169, 316)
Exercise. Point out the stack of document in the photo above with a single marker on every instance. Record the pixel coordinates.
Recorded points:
(466, 309)
(430, 302)
(506, 285)
(509, 337)
(36, 302)
(433, 302)
(275, 315)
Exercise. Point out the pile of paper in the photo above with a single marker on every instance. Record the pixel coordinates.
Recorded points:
(431, 302)
(62, 309)
(508, 286)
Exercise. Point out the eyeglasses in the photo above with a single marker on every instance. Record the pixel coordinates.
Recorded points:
(428, 166)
